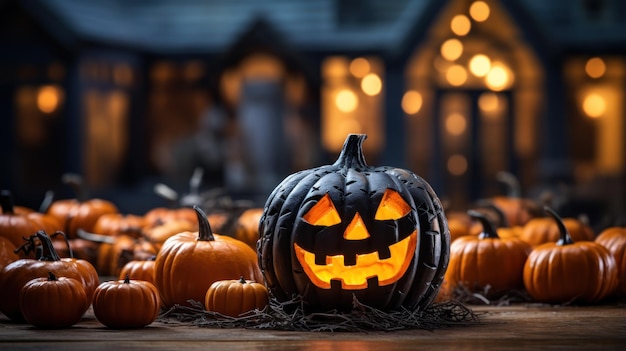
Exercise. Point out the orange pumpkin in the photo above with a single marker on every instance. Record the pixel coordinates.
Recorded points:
(80, 212)
(486, 263)
(117, 224)
(15, 275)
(125, 304)
(53, 303)
(189, 262)
(236, 297)
(614, 239)
(565, 270)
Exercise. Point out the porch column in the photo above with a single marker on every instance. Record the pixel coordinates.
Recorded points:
(555, 164)
(394, 152)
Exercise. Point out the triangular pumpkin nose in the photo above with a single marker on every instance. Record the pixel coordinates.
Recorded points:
(356, 229)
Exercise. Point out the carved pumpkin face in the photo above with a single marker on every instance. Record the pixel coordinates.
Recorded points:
(348, 230)
(364, 266)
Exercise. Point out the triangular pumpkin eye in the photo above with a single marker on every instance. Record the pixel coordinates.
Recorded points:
(323, 213)
(392, 206)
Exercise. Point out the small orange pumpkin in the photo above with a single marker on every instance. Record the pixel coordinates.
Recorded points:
(236, 297)
(81, 212)
(565, 270)
(53, 303)
(189, 262)
(126, 304)
(486, 260)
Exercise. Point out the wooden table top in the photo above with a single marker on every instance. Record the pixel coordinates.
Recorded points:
(530, 327)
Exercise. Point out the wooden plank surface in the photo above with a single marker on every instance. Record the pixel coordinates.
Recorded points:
(503, 328)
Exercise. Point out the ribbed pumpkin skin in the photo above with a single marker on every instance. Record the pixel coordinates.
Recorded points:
(583, 271)
(124, 304)
(477, 263)
(189, 262)
(614, 239)
(566, 271)
(235, 297)
(355, 188)
(53, 303)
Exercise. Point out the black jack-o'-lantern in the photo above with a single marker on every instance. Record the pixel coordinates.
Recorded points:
(346, 230)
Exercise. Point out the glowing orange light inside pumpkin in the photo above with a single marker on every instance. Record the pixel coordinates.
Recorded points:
(368, 265)
(392, 207)
(356, 229)
(323, 213)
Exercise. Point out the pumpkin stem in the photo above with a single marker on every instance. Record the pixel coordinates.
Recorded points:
(51, 276)
(49, 253)
(489, 230)
(97, 238)
(6, 201)
(351, 155)
(127, 279)
(502, 220)
(67, 242)
(241, 280)
(513, 186)
(46, 202)
(204, 228)
(75, 181)
(565, 238)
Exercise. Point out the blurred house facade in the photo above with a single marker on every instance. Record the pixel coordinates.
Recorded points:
(251, 91)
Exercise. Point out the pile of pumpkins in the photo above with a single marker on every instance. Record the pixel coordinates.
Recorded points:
(52, 263)
(170, 257)
(514, 244)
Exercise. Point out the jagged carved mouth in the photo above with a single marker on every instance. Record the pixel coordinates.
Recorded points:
(369, 265)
